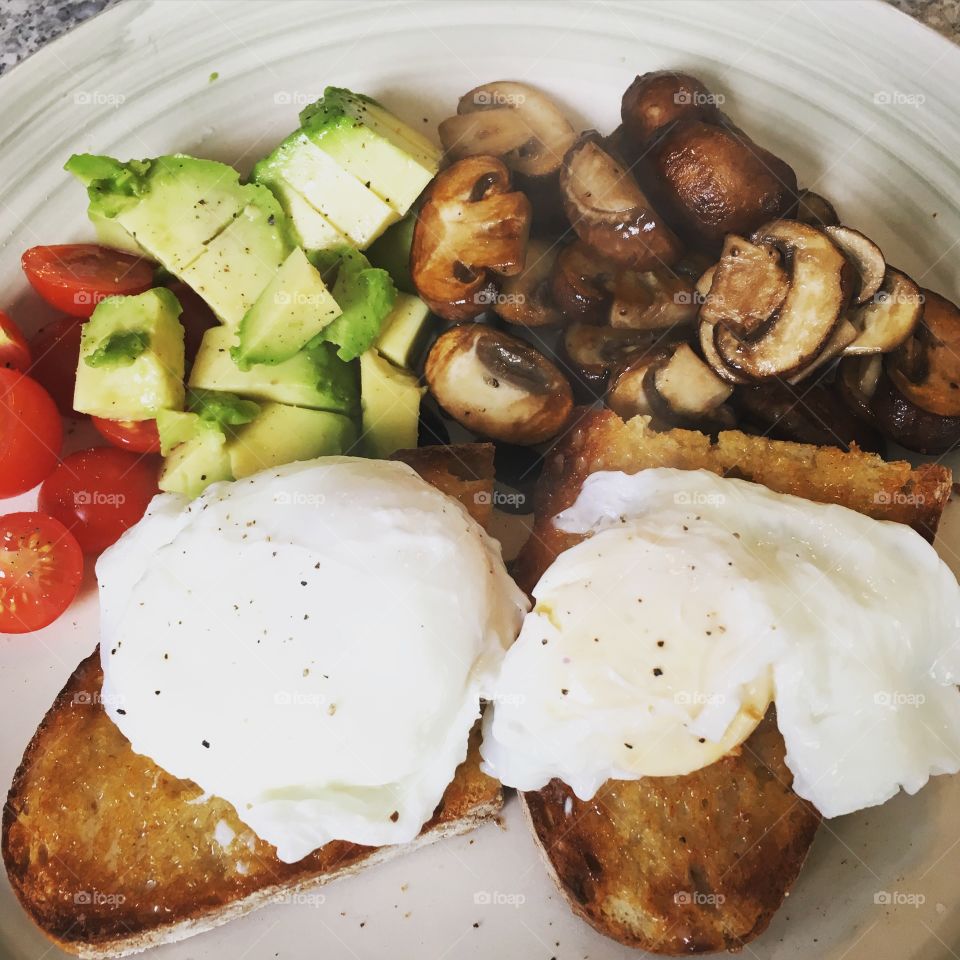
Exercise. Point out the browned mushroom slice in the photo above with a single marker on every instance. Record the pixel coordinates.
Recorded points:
(628, 394)
(865, 256)
(926, 367)
(581, 283)
(812, 309)
(815, 210)
(747, 286)
(707, 335)
(592, 352)
(652, 300)
(705, 282)
(655, 100)
(610, 212)
(510, 120)
(844, 333)
(857, 381)
(910, 425)
(526, 299)
(688, 386)
(889, 318)
(470, 225)
(498, 386)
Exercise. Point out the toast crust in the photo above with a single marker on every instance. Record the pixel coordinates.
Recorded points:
(699, 863)
(109, 854)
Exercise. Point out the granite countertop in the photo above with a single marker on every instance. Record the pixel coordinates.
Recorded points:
(26, 25)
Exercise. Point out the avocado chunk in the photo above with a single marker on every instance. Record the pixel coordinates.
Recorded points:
(131, 358)
(365, 295)
(373, 146)
(294, 307)
(284, 434)
(196, 463)
(171, 206)
(404, 330)
(390, 400)
(315, 377)
(312, 230)
(300, 165)
(392, 252)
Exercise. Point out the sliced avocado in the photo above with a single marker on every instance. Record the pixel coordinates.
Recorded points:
(372, 145)
(176, 427)
(392, 253)
(355, 211)
(404, 330)
(292, 309)
(131, 358)
(241, 260)
(171, 206)
(390, 400)
(313, 230)
(196, 463)
(314, 377)
(225, 410)
(365, 295)
(284, 434)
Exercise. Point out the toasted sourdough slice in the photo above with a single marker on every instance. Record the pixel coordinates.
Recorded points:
(699, 863)
(110, 855)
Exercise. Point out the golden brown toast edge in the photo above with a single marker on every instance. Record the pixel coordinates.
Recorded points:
(109, 854)
(680, 865)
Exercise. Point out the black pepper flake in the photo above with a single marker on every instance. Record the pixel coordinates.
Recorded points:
(395, 816)
(476, 925)
(206, 743)
(303, 583)
(660, 643)
(156, 693)
(544, 641)
(564, 691)
(629, 746)
(657, 672)
(683, 839)
(702, 740)
(122, 712)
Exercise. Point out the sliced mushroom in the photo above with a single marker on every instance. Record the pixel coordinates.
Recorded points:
(581, 283)
(815, 210)
(471, 225)
(811, 311)
(910, 425)
(857, 381)
(592, 352)
(652, 300)
(714, 180)
(706, 335)
(498, 386)
(747, 286)
(610, 212)
(655, 100)
(889, 318)
(525, 299)
(844, 333)
(926, 368)
(512, 121)
(705, 282)
(687, 385)
(628, 395)
(865, 256)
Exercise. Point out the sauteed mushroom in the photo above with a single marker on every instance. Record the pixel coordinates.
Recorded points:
(686, 385)
(865, 256)
(581, 282)
(498, 386)
(471, 227)
(592, 352)
(610, 212)
(525, 299)
(815, 210)
(885, 321)
(655, 100)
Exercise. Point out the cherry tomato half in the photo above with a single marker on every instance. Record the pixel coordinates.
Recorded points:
(97, 494)
(75, 277)
(31, 433)
(56, 353)
(14, 352)
(41, 567)
(140, 436)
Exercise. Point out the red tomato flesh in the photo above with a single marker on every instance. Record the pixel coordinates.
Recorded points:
(14, 352)
(56, 352)
(97, 494)
(31, 433)
(75, 277)
(41, 567)
(140, 436)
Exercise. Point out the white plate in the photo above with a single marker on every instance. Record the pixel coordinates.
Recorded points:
(859, 98)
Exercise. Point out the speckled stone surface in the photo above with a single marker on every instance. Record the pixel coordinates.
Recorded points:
(26, 25)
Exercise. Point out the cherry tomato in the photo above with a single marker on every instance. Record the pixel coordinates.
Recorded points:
(56, 352)
(30, 433)
(97, 494)
(41, 567)
(140, 436)
(14, 352)
(75, 277)
(197, 318)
